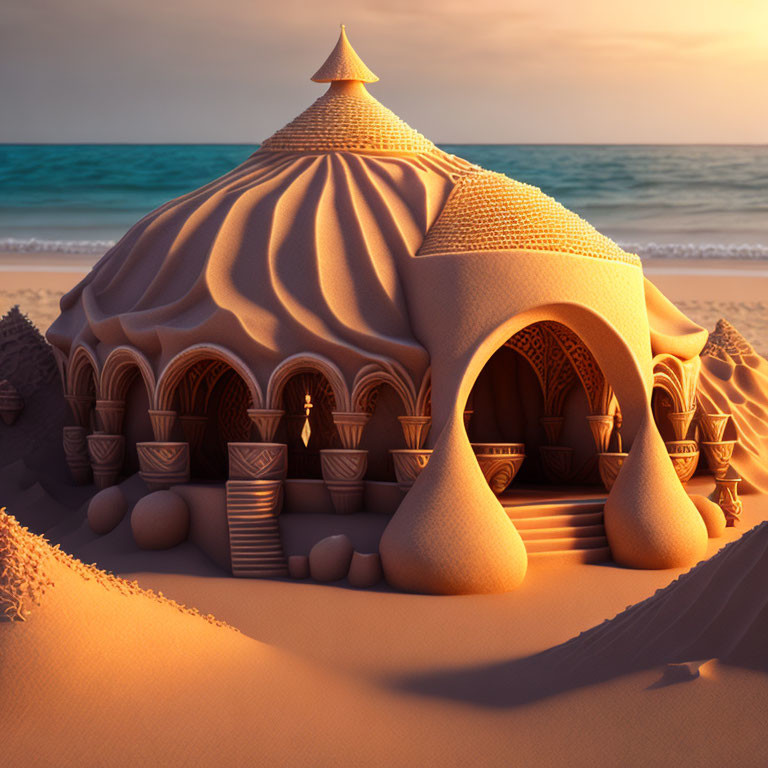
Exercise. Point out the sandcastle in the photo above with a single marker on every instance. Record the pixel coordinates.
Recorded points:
(355, 315)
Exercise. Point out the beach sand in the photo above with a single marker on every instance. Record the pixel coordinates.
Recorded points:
(705, 290)
(328, 675)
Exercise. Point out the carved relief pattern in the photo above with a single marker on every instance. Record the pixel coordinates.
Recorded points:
(408, 465)
(163, 464)
(257, 461)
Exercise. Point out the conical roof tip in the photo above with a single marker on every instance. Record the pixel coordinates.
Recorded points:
(344, 64)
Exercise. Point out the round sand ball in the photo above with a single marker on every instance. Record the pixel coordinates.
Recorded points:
(713, 516)
(106, 510)
(365, 570)
(160, 520)
(298, 567)
(329, 559)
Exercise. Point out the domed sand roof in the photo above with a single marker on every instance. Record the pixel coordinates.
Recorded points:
(305, 246)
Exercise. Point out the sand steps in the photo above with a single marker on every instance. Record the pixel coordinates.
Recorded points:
(254, 533)
(565, 530)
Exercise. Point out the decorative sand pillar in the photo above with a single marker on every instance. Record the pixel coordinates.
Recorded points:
(499, 463)
(110, 414)
(266, 421)
(81, 408)
(76, 454)
(553, 428)
(681, 421)
(254, 501)
(726, 496)
(415, 430)
(163, 422)
(343, 472)
(409, 463)
(601, 426)
(350, 427)
(106, 453)
(163, 464)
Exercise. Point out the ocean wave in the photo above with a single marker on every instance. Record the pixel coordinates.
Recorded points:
(644, 250)
(35, 245)
(697, 250)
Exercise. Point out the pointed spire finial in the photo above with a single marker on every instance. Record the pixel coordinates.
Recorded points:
(344, 64)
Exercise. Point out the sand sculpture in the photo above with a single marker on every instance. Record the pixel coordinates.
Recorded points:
(277, 324)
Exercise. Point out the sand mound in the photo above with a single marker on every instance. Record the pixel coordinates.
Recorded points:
(734, 379)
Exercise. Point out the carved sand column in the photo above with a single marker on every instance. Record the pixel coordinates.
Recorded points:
(718, 455)
(713, 425)
(76, 454)
(110, 414)
(106, 453)
(409, 463)
(163, 422)
(415, 430)
(499, 463)
(163, 464)
(601, 425)
(81, 406)
(266, 421)
(350, 427)
(681, 421)
(258, 461)
(726, 496)
(343, 472)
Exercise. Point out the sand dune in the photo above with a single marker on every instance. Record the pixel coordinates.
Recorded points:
(734, 379)
(716, 611)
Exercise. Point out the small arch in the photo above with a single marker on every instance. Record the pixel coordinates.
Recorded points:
(174, 372)
(673, 376)
(83, 373)
(368, 381)
(308, 363)
(120, 369)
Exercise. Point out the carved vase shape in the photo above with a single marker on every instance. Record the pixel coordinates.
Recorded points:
(106, 453)
(609, 465)
(110, 413)
(558, 462)
(415, 430)
(76, 454)
(685, 457)
(343, 472)
(499, 463)
(718, 455)
(11, 403)
(266, 421)
(350, 427)
(409, 462)
(601, 426)
(680, 422)
(726, 496)
(162, 424)
(163, 464)
(258, 461)
(553, 428)
(713, 425)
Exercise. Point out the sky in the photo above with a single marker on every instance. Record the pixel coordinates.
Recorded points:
(459, 71)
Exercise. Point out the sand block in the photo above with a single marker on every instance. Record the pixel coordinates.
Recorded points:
(365, 570)
(107, 509)
(160, 521)
(329, 559)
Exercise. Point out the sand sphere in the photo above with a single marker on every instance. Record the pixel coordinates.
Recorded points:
(329, 559)
(107, 509)
(711, 514)
(365, 570)
(160, 521)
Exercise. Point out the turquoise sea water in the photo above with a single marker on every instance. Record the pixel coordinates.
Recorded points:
(658, 200)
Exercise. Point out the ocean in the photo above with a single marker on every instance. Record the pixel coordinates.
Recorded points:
(673, 201)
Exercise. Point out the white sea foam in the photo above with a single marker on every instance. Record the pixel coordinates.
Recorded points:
(644, 250)
(34, 245)
(697, 250)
